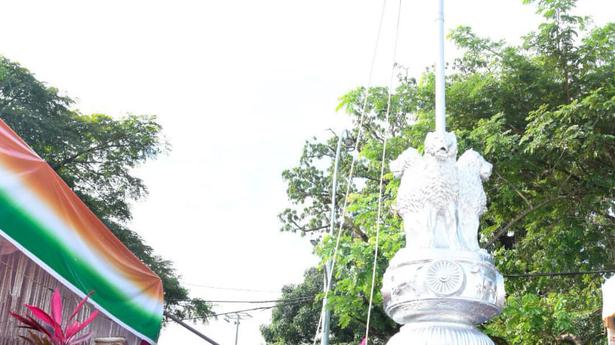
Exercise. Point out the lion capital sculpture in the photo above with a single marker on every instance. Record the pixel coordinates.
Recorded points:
(441, 199)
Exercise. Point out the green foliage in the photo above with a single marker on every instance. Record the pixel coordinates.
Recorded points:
(95, 155)
(294, 321)
(543, 113)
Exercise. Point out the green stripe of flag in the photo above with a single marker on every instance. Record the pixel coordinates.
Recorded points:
(34, 237)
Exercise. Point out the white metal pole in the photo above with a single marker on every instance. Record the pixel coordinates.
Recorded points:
(440, 83)
(328, 274)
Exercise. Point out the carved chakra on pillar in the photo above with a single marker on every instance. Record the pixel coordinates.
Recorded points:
(441, 284)
(444, 277)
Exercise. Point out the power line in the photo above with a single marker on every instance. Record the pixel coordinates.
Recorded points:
(300, 298)
(269, 301)
(263, 308)
(381, 180)
(251, 309)
(332, 262)
(304, 299)
(557, 274)
(231, 288)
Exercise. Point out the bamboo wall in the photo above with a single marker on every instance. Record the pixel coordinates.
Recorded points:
(24, 282)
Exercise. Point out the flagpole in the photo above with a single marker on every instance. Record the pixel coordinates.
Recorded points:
(440, 67)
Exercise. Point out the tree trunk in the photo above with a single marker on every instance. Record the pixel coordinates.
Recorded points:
(570, 338)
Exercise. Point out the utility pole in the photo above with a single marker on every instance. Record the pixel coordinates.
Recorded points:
(191, 329)
(328, 268)
(236, 319)
(237, 330)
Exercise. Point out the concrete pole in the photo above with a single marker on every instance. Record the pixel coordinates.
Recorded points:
(237, 329)
(440, 81)
(191, 329)
(326, 321)
(328, 268)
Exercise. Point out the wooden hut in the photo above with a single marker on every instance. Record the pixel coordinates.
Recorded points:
(49, 239)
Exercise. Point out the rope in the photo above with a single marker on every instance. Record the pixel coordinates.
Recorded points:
(351, 172)
(381, 182)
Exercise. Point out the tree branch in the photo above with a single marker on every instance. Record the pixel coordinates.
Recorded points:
(514, 188)
(519, 217)
(304, 230)
(103, 145)
(570, 338)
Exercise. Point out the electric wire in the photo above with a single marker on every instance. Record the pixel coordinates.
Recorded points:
(352, 166)
(255, 309)
(230, 288)
(296, 303)
(260, 308)
(381, 182)
(306, 299)
(243, 301)
(557, 274)
(303, 297)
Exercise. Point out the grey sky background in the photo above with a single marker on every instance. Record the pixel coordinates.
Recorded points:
(238, 86)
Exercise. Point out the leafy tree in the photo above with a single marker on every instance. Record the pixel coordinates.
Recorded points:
(544, 114)
(295, 321)
(94, 154)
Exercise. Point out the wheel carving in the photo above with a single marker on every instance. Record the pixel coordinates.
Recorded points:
(444, 277)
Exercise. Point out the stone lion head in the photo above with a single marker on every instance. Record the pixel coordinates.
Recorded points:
(441, 145)
(473, 161)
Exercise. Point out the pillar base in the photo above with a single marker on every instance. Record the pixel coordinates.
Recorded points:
(440, 294)
(439, 333)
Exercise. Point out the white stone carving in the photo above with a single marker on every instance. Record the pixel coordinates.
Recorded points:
(472, 171)
(439, 294)
(441, 284)
(428, 193)
(441, 199)
(444, 277)
(428, 333)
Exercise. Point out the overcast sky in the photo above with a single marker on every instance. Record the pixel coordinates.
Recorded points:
(238, 86)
